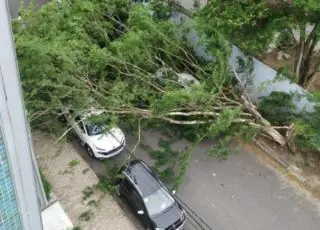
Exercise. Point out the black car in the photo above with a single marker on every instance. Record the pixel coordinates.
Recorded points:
(149, 198)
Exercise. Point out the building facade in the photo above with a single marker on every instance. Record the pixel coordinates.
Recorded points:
(9, 211)
(21, 193)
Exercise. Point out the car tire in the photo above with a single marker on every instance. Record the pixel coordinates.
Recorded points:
(118, 193)
(90, 151)
(62, 118)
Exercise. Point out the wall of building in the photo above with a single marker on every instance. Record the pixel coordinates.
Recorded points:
(15, 135)
(9, 212)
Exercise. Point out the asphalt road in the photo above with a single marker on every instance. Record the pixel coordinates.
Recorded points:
(242, 194)
(237, 194)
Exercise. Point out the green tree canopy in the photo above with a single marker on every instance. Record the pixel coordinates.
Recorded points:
(105, 53)
(254, 25)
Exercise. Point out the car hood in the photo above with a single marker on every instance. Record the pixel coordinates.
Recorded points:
(109, 140)
(168, 217)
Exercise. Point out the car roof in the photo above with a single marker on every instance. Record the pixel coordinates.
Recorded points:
(141, 175)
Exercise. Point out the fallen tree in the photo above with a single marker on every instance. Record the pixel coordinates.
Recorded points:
(104, 54)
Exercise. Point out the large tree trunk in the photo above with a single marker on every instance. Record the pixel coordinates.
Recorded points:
(267, 127)
(290, 138)
(304, 55)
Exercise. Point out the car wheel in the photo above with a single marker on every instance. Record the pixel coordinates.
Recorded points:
(62, 118)
(90, 152)
(118, 191)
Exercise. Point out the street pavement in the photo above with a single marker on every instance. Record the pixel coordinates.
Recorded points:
(240, 193)
(243, 194)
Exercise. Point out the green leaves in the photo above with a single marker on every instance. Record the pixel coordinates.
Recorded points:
(105, 54)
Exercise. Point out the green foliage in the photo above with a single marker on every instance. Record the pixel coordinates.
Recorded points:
(108, 183)
(246, 132)
(162, 157)
(307, 128)
(220, 150)
(278, 108)
(46, 185)
(96, 53)
(86, 216)
(165, 159)
(285, 40)
(93, 203)
(73, 163)
(253, 24)
(87, 192)
(184, 163)
(104, 54)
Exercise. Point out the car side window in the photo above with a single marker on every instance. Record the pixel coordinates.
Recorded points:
(125, 182)
(80, 123)
(137, 200)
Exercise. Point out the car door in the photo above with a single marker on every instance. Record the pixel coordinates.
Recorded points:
(138, 205)
(126, 189)
(79, 129)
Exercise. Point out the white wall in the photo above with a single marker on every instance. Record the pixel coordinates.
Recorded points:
(263, 81)
(15, 128)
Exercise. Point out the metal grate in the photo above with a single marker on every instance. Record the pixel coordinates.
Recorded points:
(9, 212)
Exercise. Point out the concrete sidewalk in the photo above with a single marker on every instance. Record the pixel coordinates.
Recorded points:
(72, 180)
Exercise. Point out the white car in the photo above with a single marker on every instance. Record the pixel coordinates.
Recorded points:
(98, 142)
(184, 79)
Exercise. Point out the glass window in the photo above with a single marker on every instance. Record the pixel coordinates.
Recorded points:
(158, 202)
(93, 129)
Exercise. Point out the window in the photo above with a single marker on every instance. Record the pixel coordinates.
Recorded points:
(137, 200)
(80, 123)
(93, 129)
(158, 202)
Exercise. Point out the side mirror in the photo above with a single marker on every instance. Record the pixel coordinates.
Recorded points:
(140, 212)
(173, 192)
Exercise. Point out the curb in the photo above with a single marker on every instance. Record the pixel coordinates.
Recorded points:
(271, 154)
(293, 170)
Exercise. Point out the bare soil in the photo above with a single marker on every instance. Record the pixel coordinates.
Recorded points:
(272, 61)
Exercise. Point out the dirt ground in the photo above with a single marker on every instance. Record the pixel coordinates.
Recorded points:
(272, 61)
(72, 180)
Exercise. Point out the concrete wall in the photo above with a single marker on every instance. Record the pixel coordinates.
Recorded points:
(263, 80)
(14, 5)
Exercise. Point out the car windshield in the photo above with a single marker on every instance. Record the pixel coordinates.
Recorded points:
(158, 202)
(94, 129)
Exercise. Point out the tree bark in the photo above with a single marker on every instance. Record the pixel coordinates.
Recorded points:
(304, 55)
(290, 137)
(275, 135)
(267, 128)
